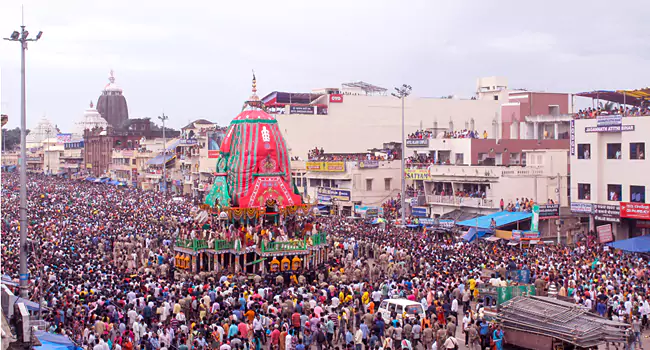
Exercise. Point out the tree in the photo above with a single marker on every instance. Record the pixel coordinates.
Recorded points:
(11, 138)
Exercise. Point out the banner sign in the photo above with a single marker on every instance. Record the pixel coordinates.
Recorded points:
(605, 233)
(214, 143)
(188, 141)
(609, 120)
(33, 159)
(516, 235)
(531, 235)
(573, 137)
(369, 164)
(639, 211)
(331, 167)
(582, 208)
(506, 293)
(618, 128)
(417, 143)
(326, 194)
(420, 212)
(446, 223)
(336, 98)
(301, 109)
(417, 174)
(534, 223)
(607, 212)
(549, 211)
(63, 138)
(427, 221)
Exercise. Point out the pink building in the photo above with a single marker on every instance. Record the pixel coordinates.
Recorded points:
(536, 115)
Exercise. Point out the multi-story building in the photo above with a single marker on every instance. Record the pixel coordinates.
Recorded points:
(609, 174)
(71, 162)
(52, 154)
(124, 166)
(357, 116)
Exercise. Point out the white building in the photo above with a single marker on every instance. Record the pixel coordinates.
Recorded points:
(359, 116)
(609, 174)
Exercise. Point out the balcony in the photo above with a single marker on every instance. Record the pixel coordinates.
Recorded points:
(460, 201)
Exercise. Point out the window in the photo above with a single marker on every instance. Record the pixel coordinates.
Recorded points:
(614, 193)
(387, 184)
(368, 184)
(584, 191)
(133, 161)
(637, 150)
(314, 182)
(496, 97)
(460, 158)
(613, 151)
(584, 151)
(298, 181)
(637, 194)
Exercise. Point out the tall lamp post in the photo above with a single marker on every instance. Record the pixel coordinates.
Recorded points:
(47, 132)
(401, 93)
(21, 37)
(163, 117)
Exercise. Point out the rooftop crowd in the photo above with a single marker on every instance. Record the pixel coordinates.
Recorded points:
(589, 113)
(105, 259)
(320, 155)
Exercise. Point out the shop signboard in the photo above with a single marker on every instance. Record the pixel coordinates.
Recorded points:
(418, 174)
(417, 143)
(336, 98)
(573, 137)
(607, 212)
(605, 233)
(582, 208)
(301, 109)
(639, 211)
(331, 167)
(516, 235)
(534, 223)
(549, 211)
(427, 221)
(446, 223)
(368, 164)
(616, 128)
(420, 212)
(326, 194)
(609, 120)
(519, 276)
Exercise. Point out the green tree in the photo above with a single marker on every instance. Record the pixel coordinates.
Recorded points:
(11, 138)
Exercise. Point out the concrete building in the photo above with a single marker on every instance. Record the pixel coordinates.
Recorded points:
(340, 185)
(359, 116)
(52, 154)
(536, 115)
(71, 162)
(609, 175)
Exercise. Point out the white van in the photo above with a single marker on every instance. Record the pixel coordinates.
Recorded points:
(400, 307)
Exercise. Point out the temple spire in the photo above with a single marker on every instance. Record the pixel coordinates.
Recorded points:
(254, 100)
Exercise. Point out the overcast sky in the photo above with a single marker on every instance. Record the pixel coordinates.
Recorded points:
(195, 61)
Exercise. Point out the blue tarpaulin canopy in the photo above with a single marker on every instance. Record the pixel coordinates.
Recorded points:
(90, 178)
(502, 218)
(639, 244)
(114, 182)
(472, 233)
(51, 341)
(105, 180)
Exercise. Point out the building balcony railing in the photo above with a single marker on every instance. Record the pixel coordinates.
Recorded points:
(460, 201)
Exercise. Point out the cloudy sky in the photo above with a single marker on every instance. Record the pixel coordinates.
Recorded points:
(193, 59)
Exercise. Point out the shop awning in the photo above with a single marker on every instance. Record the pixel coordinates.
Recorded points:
(492, 239)
(114, 182)
(639, 244)
(159, 159)
(90, 178)
(105, 180)
(501, 218)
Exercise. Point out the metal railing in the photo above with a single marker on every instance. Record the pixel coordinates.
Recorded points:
(220, 245)
(268, 247)
(194, 244)
(223, 245)
(461, 201)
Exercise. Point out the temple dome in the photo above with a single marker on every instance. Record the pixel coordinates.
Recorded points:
(111, 105)
(91, 120)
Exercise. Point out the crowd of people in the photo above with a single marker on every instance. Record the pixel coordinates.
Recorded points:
(591, 113)
(464, 134)
(319, 155)
(102, 260)
(422, 134)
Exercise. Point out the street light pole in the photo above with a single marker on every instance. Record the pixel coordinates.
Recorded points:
(163, 117)
(21, 37)
(401, 93)
(47, 132)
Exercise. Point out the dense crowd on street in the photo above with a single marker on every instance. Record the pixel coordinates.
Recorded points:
(102, 260)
